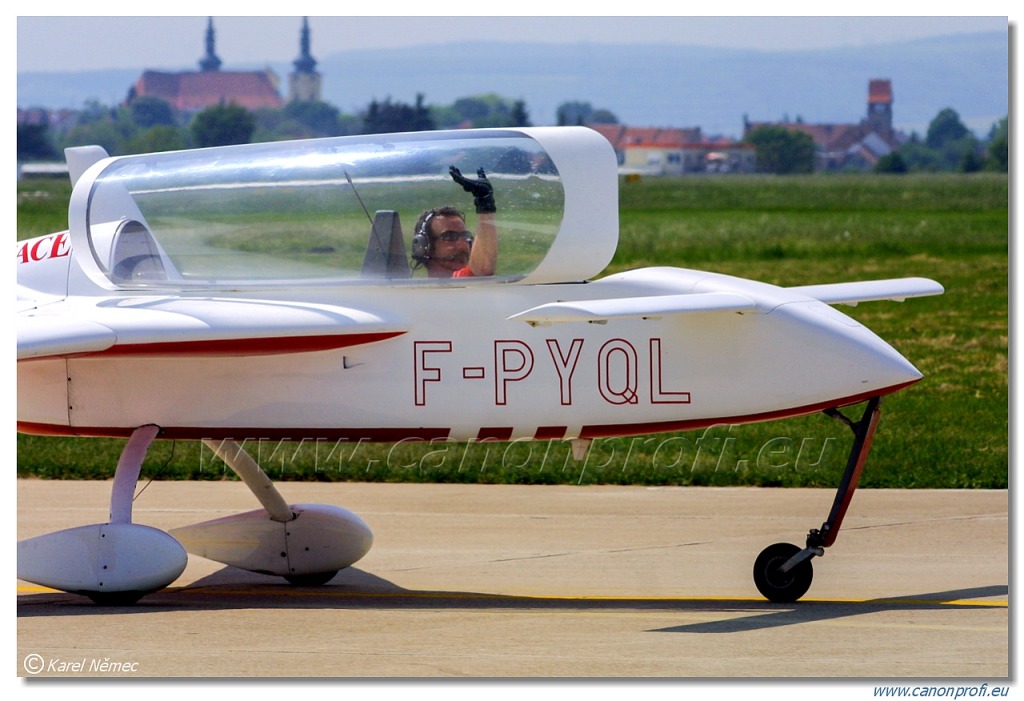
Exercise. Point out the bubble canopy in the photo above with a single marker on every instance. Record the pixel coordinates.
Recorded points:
(341, 209)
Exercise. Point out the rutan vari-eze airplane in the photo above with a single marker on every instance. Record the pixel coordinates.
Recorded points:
(246, 293)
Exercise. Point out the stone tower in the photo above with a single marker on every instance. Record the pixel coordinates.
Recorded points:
(880, 106)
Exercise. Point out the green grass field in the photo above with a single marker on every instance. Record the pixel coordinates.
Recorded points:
(948, 431)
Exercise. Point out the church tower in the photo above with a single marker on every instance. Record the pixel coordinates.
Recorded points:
(304, 81)
(880, 106)
(209, 62)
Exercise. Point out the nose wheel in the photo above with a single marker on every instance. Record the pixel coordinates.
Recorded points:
(779, 580)
(782, 572)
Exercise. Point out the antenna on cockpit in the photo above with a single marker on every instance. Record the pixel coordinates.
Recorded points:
(356, 192)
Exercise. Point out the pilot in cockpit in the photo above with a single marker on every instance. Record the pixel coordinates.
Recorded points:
(444, 246)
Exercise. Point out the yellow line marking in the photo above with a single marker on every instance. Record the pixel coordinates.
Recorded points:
(551, 599)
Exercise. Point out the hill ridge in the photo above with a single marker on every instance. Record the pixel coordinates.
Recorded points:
(643, 84)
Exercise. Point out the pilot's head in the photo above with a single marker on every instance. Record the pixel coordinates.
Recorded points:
(441, 242)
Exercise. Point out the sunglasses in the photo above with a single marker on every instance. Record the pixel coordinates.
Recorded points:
(451, 236)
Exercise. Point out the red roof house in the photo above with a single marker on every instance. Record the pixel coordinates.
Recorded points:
(195, 91)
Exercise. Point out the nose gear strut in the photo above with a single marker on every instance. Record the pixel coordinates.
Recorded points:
(782, 572)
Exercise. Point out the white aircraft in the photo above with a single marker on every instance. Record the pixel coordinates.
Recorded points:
(245, 293)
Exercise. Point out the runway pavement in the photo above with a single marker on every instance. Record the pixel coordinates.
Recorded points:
(549, 582)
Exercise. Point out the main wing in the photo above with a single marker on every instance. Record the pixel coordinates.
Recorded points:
(198, 327)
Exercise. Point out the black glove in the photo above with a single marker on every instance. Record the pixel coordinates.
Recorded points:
(481, 189)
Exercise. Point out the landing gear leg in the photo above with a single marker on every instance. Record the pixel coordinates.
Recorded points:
(126, 477)
(782, 572)
(254, 478)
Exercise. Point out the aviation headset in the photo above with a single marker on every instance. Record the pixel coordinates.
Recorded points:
(422, 243)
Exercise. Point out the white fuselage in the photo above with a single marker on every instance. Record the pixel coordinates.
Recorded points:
(460, 369)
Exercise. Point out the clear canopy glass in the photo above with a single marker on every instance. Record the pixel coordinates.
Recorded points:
(323, 210)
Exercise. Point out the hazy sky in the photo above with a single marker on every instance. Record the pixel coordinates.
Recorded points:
(86, 43)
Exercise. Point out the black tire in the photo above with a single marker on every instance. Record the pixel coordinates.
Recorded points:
(775, 586)
(314, 579)
(115, 598)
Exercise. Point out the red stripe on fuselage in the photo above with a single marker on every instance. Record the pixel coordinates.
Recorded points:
(427, 433)
(240, 347)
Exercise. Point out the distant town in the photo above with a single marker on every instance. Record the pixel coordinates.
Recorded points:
(212, 106)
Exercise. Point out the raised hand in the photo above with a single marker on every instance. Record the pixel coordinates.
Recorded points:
(481, 189)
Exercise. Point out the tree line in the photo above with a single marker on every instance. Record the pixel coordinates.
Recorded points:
(948, 146)
(147, 124)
